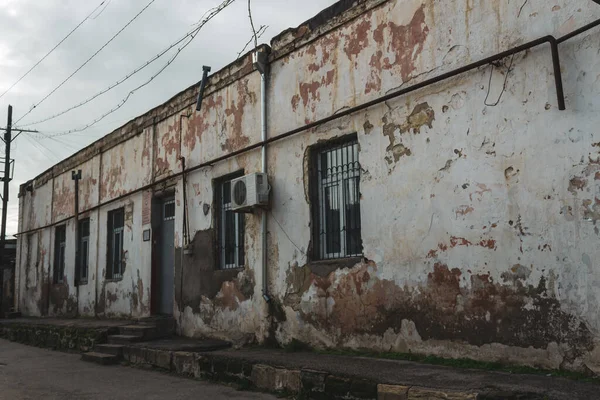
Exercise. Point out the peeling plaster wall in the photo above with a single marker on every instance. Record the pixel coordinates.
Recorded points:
(225, 304)
(125, 167)
(129, 296)
(478, 222)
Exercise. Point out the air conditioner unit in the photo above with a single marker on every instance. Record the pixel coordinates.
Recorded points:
(249, 191)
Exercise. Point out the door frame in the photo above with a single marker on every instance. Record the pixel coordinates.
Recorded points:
(158, 199)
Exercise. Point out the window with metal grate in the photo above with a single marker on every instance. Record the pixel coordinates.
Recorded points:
(84, 251)
(60, 245)
(335, 200)
(114, 259)
(230, 227)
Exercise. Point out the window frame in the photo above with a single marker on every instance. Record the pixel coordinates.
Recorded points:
(83, 259)
(60, 250)
(115, 236)
(323, 246)
(221, 213)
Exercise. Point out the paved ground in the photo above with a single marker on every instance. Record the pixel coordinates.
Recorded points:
(423, 375)
(33, 373)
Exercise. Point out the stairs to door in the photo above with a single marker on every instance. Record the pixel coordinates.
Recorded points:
(142, 330)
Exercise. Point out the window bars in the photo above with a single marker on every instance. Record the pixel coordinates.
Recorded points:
(335, 199)
(84, 250)
(231, 231)
(114, 262)
(60, 244)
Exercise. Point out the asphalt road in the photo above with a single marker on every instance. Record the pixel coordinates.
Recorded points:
(33, 373)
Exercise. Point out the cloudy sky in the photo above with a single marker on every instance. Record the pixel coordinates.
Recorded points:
(30, 28)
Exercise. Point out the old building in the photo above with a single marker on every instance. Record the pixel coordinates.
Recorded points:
(457, 217)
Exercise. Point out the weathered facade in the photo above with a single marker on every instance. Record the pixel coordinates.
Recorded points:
(479, 198)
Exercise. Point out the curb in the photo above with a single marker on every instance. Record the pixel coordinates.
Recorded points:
(302, 383)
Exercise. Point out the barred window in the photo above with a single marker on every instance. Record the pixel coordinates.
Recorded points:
(84, 250)
(114, 259)
(230, 227)
(60, 245)
(335, 199)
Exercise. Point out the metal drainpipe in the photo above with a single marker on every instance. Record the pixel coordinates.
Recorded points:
(261, 63)
(76, 176)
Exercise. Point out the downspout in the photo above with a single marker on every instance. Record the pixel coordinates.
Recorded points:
(261, 63)
(184, 244)
(185, 223)
(76, 176)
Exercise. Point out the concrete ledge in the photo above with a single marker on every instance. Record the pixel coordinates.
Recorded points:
(303, 382)
(62, 337)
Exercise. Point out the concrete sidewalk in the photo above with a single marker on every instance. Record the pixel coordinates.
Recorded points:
(331, 376)
(306, 374)
(28, 373)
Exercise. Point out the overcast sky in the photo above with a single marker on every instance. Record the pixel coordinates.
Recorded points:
(30, 28)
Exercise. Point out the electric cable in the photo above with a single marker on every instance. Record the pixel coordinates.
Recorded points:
(54, 48)
(117, 83)
(86, 62)
(124, 100)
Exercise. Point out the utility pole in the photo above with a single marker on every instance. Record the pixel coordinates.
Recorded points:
(6, 178)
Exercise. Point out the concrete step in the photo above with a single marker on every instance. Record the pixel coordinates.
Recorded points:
(123, 339)
(165, 325)
(114, 349)
(147, 332)
(100, 358)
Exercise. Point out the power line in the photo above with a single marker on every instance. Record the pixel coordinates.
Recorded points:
(215, 11)
(40, 149)
(87, 61)
(50, 52)
(262, 29)
(101, 11)
(125, 78)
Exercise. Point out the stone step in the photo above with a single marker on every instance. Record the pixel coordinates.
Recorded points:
(143, 331)
(123, 339)
(100, 358)
(114, 349)
(165, 326)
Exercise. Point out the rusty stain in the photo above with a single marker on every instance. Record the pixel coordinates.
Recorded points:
(358, 39)
(422, 115)
(405, 42)
(485, 312)
(398, 151)
(577, 183)
(489, 243)
(198, 122)
(458, 241)
(482, 190)
(64, 201)
(236, 138)
(463, 210)
(229, 297)
(591, 209)
(368, 127)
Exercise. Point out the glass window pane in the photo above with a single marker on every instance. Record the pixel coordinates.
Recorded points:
(169, 210)
(338, 201)
(84, 260)
(332, 220)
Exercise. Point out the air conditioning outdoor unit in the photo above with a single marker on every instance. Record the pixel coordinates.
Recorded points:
(249, 191)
